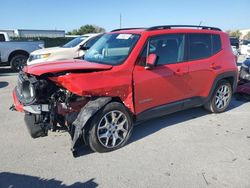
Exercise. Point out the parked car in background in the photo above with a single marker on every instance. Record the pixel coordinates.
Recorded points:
(72, 50)
(235, 52)
(234, 41)
(245, 47)
(243, 88)
(16, 53)
(4, 37)
(128, 76)
(245, 70)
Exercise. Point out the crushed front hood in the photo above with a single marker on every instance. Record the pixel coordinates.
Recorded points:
(62, 66)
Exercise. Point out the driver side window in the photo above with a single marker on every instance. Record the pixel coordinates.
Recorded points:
(169, 49)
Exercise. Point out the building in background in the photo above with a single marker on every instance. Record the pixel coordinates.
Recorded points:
(34, 33)
(10, 32)
(244, 32)
(41, 33)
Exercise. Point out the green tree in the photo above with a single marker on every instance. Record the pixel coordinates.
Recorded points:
(234, 33)
(247, 36)
(86, 29)
(73, 32)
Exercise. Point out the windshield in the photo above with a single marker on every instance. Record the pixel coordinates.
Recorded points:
(112, 49)
(74, 42)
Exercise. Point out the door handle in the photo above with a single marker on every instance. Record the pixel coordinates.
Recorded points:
(214, 66)
(179, 72)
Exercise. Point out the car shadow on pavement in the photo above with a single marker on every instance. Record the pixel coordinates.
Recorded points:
(82, 150)
(9, 180)
(3, 84)
(151, 126)
(7, 71)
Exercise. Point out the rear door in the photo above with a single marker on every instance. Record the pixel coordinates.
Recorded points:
(203, 54)
(168, 81)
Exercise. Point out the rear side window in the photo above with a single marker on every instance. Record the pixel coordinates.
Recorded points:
(2, 38)
(216, 41)
(203, 45)
(200, 46)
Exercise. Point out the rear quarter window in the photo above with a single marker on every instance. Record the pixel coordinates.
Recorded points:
(216, 40)
(203, 45)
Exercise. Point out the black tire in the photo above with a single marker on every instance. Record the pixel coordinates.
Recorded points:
(95, 131)
(213, 105)
(18, 61)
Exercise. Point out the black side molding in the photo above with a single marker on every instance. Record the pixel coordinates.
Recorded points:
(170, 108)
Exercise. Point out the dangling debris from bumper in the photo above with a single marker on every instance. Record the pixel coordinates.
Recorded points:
(84, 115)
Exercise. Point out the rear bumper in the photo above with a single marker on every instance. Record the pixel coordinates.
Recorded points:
(17, 104)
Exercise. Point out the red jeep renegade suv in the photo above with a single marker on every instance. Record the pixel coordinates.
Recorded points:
(127, 76)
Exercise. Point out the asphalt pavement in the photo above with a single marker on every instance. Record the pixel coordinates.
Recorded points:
(191, 148)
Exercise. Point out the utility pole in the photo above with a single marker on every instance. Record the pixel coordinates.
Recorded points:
(120, 20)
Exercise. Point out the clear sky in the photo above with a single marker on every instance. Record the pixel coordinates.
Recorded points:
(71, 14)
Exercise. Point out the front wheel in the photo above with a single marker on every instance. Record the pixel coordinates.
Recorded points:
(221, 97)
(17, 62)
(110, 128)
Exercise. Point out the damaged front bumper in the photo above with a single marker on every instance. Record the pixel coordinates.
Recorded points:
(39, 118)
(37, 109)
(17, 105)
(33, 118)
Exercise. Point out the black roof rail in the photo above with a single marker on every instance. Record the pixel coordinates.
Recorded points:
(127, 29)
(191, 26)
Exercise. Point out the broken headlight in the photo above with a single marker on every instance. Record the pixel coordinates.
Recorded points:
(25, 90)
(32, 90)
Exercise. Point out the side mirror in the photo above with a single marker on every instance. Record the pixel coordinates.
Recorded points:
(151, 61)
(84, 48)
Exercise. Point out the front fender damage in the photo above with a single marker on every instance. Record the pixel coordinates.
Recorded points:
(84, 115)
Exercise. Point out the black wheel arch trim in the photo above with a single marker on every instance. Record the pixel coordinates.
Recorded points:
(224, 76)
(87, 111)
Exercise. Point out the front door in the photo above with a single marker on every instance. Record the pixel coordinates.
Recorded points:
(168, 81)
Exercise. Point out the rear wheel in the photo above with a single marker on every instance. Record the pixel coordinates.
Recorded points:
(221, 97)
(110, 128)
(17, 62)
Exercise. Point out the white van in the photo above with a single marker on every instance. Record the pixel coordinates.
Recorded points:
(71, 50)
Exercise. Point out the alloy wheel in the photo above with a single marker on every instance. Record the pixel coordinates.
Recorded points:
(113, 129)
(223, 96)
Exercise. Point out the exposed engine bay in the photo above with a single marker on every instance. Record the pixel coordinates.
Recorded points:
(46, 105)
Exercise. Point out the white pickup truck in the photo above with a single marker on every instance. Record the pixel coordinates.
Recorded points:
(16, 53)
